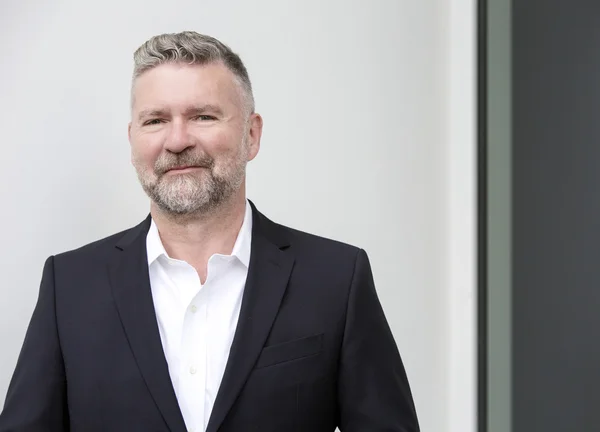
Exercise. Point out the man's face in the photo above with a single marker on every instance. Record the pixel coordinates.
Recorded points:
(191, 136)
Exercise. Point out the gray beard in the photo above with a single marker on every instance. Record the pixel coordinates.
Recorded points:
(192, 193)
(188, 194)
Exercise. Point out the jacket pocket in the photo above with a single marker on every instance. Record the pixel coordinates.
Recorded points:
(289, 351)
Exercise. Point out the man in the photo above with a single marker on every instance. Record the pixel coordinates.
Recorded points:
(207, 316)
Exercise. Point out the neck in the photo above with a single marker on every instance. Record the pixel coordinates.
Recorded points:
(195, 238)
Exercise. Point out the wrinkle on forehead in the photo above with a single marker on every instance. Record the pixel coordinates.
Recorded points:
(212, 81)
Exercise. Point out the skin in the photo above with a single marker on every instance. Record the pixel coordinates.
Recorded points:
(193, 117)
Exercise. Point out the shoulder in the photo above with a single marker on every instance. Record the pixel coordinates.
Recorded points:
(319, 244)
(314, 250)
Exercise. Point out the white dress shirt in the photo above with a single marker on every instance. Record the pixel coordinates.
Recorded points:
(197, 322)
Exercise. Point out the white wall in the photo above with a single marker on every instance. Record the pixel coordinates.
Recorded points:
(362, 143)
(461, 193)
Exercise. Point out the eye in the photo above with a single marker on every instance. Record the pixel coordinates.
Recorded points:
(204, 117)
(152, 122)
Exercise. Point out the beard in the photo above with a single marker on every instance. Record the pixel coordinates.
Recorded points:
(200, 191)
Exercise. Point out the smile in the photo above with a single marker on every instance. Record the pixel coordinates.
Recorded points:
(184, 169)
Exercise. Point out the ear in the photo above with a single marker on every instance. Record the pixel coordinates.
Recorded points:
(254, 135)
(129, 139)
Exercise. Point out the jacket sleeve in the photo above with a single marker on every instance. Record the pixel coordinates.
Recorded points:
(373, 389)
(36, 398)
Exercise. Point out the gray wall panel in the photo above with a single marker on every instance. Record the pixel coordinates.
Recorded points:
(556, 215)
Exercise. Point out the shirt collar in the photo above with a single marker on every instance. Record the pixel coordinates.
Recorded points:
(241, 248)
(154, 246)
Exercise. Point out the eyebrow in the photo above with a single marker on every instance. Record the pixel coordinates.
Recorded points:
(197, 110)
(214, 109)
(151, 113)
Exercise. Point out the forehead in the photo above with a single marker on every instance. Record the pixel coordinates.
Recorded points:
(174, 85)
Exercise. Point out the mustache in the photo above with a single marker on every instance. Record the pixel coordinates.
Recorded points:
(170, 161)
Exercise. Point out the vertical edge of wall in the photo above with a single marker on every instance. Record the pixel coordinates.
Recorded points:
(482, 211)
(499, 230)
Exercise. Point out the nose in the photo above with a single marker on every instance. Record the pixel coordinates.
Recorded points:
(178, 138)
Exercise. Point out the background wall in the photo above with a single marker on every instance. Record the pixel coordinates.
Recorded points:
(368, 139)
(555, 212)
(499, 216)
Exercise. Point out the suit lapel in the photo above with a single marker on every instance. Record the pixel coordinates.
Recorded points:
(130, 283)
(268, 274)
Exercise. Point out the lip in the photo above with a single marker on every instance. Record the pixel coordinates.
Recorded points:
(184, 169)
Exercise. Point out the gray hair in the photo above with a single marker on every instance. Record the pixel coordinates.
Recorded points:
(191, 48)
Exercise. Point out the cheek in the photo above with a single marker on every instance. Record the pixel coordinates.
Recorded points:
(144, 153)
(222, 146)
(218, 141)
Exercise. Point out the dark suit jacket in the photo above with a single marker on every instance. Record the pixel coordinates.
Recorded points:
(312, 349)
